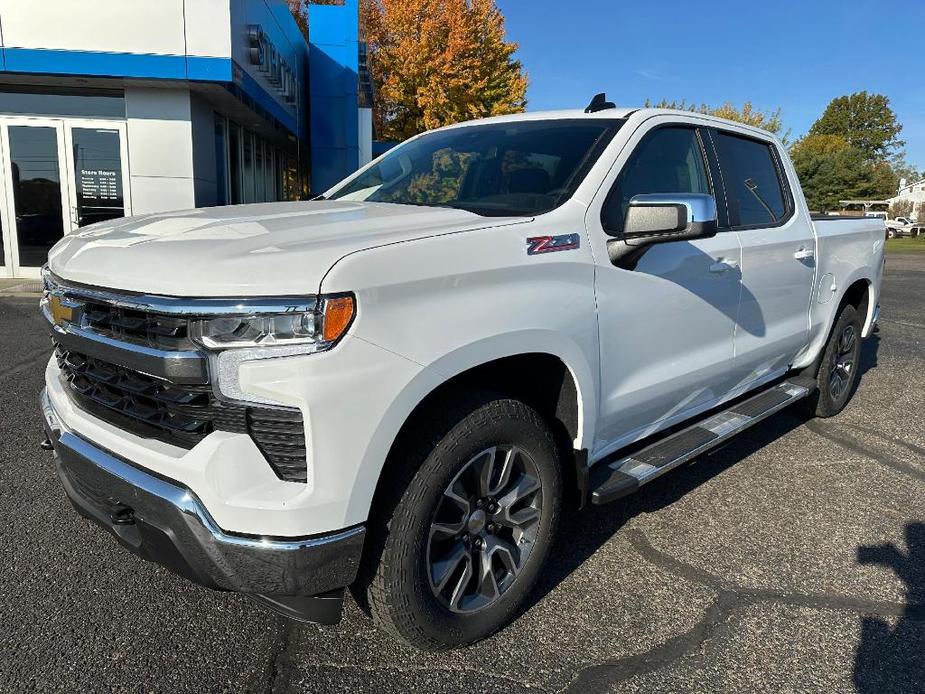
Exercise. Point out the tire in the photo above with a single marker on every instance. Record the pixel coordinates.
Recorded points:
(426, 517)
(839, 368)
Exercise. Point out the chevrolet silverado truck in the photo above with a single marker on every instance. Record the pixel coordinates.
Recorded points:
(397, 387)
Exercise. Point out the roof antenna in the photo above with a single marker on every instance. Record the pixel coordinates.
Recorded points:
(599, 103)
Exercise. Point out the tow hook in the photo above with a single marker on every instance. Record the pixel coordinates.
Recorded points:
(46, 445)
(123, 516)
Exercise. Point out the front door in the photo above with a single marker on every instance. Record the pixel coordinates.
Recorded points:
(666, 323)
(58, 175)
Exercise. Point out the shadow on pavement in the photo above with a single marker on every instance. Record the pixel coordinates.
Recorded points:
(582, 533)
(890, 658)
(869, 354)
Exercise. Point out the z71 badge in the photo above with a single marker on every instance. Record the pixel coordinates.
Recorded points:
(550, 244)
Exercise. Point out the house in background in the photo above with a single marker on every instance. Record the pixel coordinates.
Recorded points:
(914, 192)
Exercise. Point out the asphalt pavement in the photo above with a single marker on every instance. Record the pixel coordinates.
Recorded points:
(791, 560)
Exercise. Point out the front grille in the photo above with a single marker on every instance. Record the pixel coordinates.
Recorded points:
(137, 327)
(181, 415)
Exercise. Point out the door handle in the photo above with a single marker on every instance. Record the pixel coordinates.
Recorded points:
(804, 254)
(722, 265)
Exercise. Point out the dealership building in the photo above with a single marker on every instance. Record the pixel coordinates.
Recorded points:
(118, 107)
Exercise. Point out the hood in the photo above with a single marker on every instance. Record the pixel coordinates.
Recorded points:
(269, 249)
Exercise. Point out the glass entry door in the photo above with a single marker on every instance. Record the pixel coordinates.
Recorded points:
(97, 171)
(36, 196)
(58, 175)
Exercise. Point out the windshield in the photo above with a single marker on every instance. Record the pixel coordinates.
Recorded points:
(523, 168)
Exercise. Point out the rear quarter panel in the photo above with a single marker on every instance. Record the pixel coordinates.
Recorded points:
(847, 250)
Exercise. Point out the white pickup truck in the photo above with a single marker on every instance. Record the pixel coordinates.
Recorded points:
(902, 226)
(396, 387)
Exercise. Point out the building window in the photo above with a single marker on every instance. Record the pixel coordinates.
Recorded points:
(221, 161)
(260, 193)
(268, 174)
(234, 147)
(86, 103)
(248, 167)
(278, 176)
(291, 174)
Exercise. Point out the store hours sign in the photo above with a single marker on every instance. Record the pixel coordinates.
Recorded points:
(100, 185)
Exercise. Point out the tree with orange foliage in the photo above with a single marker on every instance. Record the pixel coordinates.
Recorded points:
(436, 62)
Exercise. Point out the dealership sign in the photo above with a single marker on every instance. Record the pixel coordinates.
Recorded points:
(270, 61)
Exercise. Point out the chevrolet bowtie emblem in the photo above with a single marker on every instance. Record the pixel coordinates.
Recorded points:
(62, 310)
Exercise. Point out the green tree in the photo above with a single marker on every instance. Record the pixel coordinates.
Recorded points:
(903, 169)
(865, 121)
(747, 114)
(830, 169)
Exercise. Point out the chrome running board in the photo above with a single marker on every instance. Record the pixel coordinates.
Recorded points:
(611, 481)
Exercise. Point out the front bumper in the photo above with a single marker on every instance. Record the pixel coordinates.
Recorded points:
(164, 522)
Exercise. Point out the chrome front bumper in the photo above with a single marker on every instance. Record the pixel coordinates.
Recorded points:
(164, 522)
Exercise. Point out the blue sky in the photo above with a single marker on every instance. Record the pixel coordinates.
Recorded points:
(795, 55)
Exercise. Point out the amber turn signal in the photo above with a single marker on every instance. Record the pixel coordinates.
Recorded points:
(338, 312)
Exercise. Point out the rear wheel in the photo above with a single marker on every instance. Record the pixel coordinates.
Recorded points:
(838, 371)
(462, 532)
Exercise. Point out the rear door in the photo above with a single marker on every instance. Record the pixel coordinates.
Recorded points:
(667, 322)
(778, 256)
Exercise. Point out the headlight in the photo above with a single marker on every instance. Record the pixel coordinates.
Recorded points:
(234, 340)
(320, 327)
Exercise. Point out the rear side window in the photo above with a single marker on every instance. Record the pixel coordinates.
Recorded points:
(753, 183)
(668, 160)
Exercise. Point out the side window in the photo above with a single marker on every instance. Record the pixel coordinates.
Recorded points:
(668, 160)
(752, 181)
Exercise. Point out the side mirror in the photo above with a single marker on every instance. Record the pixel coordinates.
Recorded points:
(666, 217)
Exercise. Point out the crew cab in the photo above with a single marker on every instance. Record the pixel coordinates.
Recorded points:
(396, 387)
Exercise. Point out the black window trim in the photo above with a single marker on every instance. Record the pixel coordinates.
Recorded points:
(783, 181)
(711, 168)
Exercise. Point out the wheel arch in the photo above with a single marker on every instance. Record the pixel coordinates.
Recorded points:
(859, 292)
(560, 388)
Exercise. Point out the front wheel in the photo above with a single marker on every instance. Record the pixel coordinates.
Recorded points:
(839, 369)
(457, 547)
